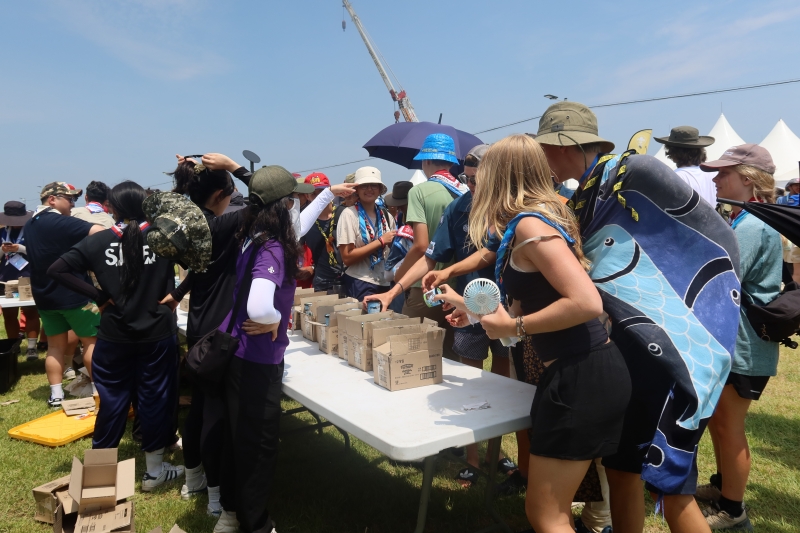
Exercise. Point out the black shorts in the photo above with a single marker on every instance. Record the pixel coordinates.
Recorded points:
(748, 387)
(578, 408)
(473, 343)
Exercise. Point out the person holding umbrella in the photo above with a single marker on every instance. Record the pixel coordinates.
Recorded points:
(745, 174)
(14, 265)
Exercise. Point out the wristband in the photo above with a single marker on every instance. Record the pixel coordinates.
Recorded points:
(401, 286)
(381, 241)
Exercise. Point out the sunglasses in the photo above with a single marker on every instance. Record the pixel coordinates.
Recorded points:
(71, 199)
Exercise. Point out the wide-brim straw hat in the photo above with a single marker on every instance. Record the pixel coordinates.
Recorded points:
(686, 137)
(569, 124)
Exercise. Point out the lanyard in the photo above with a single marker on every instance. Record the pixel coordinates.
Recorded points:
(7, 235)
(329, 237)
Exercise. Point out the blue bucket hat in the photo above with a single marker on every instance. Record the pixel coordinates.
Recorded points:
(438, 146)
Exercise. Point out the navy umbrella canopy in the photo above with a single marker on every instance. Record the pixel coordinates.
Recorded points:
(785, 219)
(401, 142)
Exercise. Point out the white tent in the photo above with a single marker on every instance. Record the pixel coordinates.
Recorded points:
(418, 177)
(784, 147)
(724, 138)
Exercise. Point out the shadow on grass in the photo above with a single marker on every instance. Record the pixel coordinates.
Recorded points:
(780, 434)
(772, 510)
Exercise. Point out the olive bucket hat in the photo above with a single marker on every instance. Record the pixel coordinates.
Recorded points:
(178, 230)
(568, 124)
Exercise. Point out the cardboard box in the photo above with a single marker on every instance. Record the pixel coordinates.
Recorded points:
(410, 360)
(80, 406)
(25, 292)
(11, 287)
(175, 529)
(46, 500)
(338, 319)
(300, 293)
(359, 328)
(362, 349)
(329, 333)
(66, 513)
(117, 519)
(295, 318)
(100, 481)
(308, 313)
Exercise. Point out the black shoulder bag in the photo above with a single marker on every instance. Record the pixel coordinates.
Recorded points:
(208, 360)
(778, 320)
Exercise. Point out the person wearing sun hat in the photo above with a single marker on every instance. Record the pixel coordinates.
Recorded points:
(687, 149)
(49, 234)
(14, 265)
(744, 173)
(364, 236)
(267, 255)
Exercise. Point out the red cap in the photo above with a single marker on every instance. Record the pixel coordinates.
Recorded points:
(746, 154)
(318, 180)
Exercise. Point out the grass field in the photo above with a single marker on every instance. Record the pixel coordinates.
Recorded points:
(319, 488)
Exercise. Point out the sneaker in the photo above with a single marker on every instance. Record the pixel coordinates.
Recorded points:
(227, 523)
(33, 355)
(708, 493)
(168, 473)
(69, 373)
(214, 509)
(720, 520)
(197, 487)
(55, 403)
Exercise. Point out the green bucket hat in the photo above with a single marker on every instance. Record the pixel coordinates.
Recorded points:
(570, 123)
(273, 182)
(178, 230)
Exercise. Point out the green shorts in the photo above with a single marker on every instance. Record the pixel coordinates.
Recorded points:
(83, 322)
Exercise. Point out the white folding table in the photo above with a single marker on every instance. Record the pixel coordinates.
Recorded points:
(15, 302)
(412, 424)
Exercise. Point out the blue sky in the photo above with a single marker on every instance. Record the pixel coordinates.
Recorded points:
(112, 90)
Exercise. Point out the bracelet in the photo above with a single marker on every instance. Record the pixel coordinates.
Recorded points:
(521, 333)
(381, 241)
(401, 286)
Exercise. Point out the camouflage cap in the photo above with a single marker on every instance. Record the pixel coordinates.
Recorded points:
(350, 178)
(178, 230)
(60, 187)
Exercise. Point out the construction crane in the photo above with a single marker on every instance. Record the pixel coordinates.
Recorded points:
(401, 98)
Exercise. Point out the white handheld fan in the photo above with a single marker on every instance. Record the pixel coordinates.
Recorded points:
(482, 297)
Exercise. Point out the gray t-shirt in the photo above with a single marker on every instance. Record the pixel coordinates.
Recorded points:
(348, 232)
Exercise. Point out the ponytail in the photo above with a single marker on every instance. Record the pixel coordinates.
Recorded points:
(126, 201)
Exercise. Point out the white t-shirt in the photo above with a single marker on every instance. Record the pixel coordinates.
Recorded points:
(348, 232)
(699, 181)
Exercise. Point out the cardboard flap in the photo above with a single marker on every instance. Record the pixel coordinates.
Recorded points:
(76, 480)
(52, 486)
(106, 456)
(66, 502)
(126, 474)
(97, 492)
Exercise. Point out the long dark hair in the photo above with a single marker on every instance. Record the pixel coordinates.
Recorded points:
(199, 182)
(272, 221)
(126, 201)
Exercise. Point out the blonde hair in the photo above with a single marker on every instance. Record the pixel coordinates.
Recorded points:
(514, 178)
(763, 182)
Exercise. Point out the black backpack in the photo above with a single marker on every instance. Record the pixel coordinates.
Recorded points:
(778, 320)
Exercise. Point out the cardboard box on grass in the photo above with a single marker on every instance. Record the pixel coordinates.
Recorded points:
(46, 500)
(410, 360)
(338, 318)
(361, 353)
(80, 406)
(100, 481)
(306, 304)
(25, 291)
(359, 329)
(66, 513)
(329, 332)
(116, 519)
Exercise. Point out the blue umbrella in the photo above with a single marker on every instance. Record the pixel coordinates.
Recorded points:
(400, 143)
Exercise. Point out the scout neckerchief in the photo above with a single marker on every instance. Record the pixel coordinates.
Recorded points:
(368, 233)
(735, 219)
(455, 187)
(329, 238)
(504, 252)
(95, 207)
(119, 227)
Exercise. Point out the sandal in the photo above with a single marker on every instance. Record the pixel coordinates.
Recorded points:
(514, 484)
(506, 466)
(470, 475)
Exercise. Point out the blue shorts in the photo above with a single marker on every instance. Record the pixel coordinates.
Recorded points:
(358, 289)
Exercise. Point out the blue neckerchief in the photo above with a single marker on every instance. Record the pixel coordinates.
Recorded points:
(793, 199)
(368, 233)
(450, 183)
(588, 171)
(509, 235)
(95, 208)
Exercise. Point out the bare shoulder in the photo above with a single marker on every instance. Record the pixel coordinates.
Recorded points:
(530, 227)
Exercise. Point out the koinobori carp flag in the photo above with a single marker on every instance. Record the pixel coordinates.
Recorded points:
(667, 267)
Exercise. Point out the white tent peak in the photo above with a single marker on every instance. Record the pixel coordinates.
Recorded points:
(418, 177)
(784, 147)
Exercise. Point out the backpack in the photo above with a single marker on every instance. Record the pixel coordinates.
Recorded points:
(778, 320)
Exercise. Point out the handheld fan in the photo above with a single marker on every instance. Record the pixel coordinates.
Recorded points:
(482, 297)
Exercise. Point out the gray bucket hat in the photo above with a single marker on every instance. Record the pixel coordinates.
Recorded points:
(568, 124)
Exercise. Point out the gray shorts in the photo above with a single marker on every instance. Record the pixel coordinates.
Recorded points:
(472, 342)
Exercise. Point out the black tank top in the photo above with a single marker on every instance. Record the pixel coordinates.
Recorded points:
(535, 293)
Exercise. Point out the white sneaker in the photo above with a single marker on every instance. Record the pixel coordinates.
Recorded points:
(198, 485)
(55, 403)
(708, 493)
(718, 519)
(168, 473)
(69, 373)
(227, 523)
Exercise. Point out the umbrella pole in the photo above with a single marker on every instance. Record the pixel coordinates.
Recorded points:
(731, 202)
